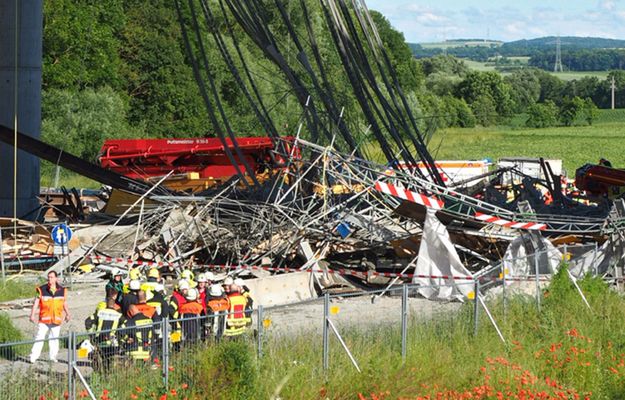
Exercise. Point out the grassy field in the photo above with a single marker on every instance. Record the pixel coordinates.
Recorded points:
(575, 145)
(565, 76)
(450, 44)
(16, 289)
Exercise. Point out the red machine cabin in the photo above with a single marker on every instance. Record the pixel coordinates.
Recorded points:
(147, 158)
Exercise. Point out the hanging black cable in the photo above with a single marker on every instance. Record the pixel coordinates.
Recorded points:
(329, 104)
(356, 85)
(211, 26)
(203, 93)
(250, 172)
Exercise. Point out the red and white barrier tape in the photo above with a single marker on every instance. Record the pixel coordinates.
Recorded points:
(491, 219)
(398, 191)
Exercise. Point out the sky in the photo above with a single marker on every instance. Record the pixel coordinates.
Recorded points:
(433, 21)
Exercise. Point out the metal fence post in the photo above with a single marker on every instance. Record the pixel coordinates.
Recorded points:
(536, 261)
(476, 307)
(70, 365)
(404, 320)
(503, 291)
(326, 342)
(165, 340)
(2, 257)
(260, 331)
(594, 259)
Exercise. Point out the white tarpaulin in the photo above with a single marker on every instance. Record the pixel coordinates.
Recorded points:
(438, 257)
(595, 261)
(519, 262)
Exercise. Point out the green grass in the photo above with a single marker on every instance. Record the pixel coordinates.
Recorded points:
(8, 332)
(451, 44)
(68, 179)
(565, 76)
(16, 289)
(575, 145)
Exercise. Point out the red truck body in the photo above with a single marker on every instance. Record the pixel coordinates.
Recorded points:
(146, 158)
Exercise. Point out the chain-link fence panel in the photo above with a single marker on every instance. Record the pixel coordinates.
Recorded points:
(35, 369)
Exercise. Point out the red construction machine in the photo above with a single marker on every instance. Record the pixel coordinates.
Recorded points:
(601, 180)
(197, 163)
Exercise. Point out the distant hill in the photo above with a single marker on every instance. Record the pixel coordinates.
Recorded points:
(482, 50)
(567, 42)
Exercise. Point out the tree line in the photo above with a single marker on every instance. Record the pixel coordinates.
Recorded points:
(488, 98)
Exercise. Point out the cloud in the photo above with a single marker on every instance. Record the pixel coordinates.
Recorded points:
(607, 5)
(426, 21)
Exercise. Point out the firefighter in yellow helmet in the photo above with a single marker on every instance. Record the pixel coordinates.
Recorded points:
(154, 278)
(188, 276)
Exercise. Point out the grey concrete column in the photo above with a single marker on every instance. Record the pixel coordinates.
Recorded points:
(29, 27)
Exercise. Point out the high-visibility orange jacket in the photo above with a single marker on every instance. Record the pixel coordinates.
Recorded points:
(51, 304)
(218, 304)
(191, 308)
(146, 309)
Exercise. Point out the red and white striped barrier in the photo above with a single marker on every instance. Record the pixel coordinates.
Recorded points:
(340, 271)
(398, 191)
(9, 257)
(491, 219)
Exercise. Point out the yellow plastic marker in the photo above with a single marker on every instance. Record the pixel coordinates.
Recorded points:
(334, 310)
(471, 295)
(266, 323)
(175, 337)
(82, 352)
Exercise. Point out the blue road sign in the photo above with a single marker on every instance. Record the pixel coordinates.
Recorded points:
(61, 234)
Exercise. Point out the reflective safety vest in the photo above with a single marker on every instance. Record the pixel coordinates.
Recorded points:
(219, 304)
(51, 304)
(142, 337)
(158, 302)
(218, 307)
(191, 328)
(108, 320)
(236, 320)
(192, 308)
(146, 309)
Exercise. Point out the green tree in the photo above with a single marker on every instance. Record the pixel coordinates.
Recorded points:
(525, 88)
(444, 64)
(589, 111)
(162, 91)
(542, 115)
(80, 43)
(481, 85)
(551, 87)
(408, 71)
(441, 84)
(484, 110)
(571, 110)
(79, 122)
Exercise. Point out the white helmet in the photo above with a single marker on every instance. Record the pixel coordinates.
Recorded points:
(116, 272)
(183, 284)
(134, 284)
(209, 276)
(228, 280)
(202, 278)
(192, 295)
(216, 291)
